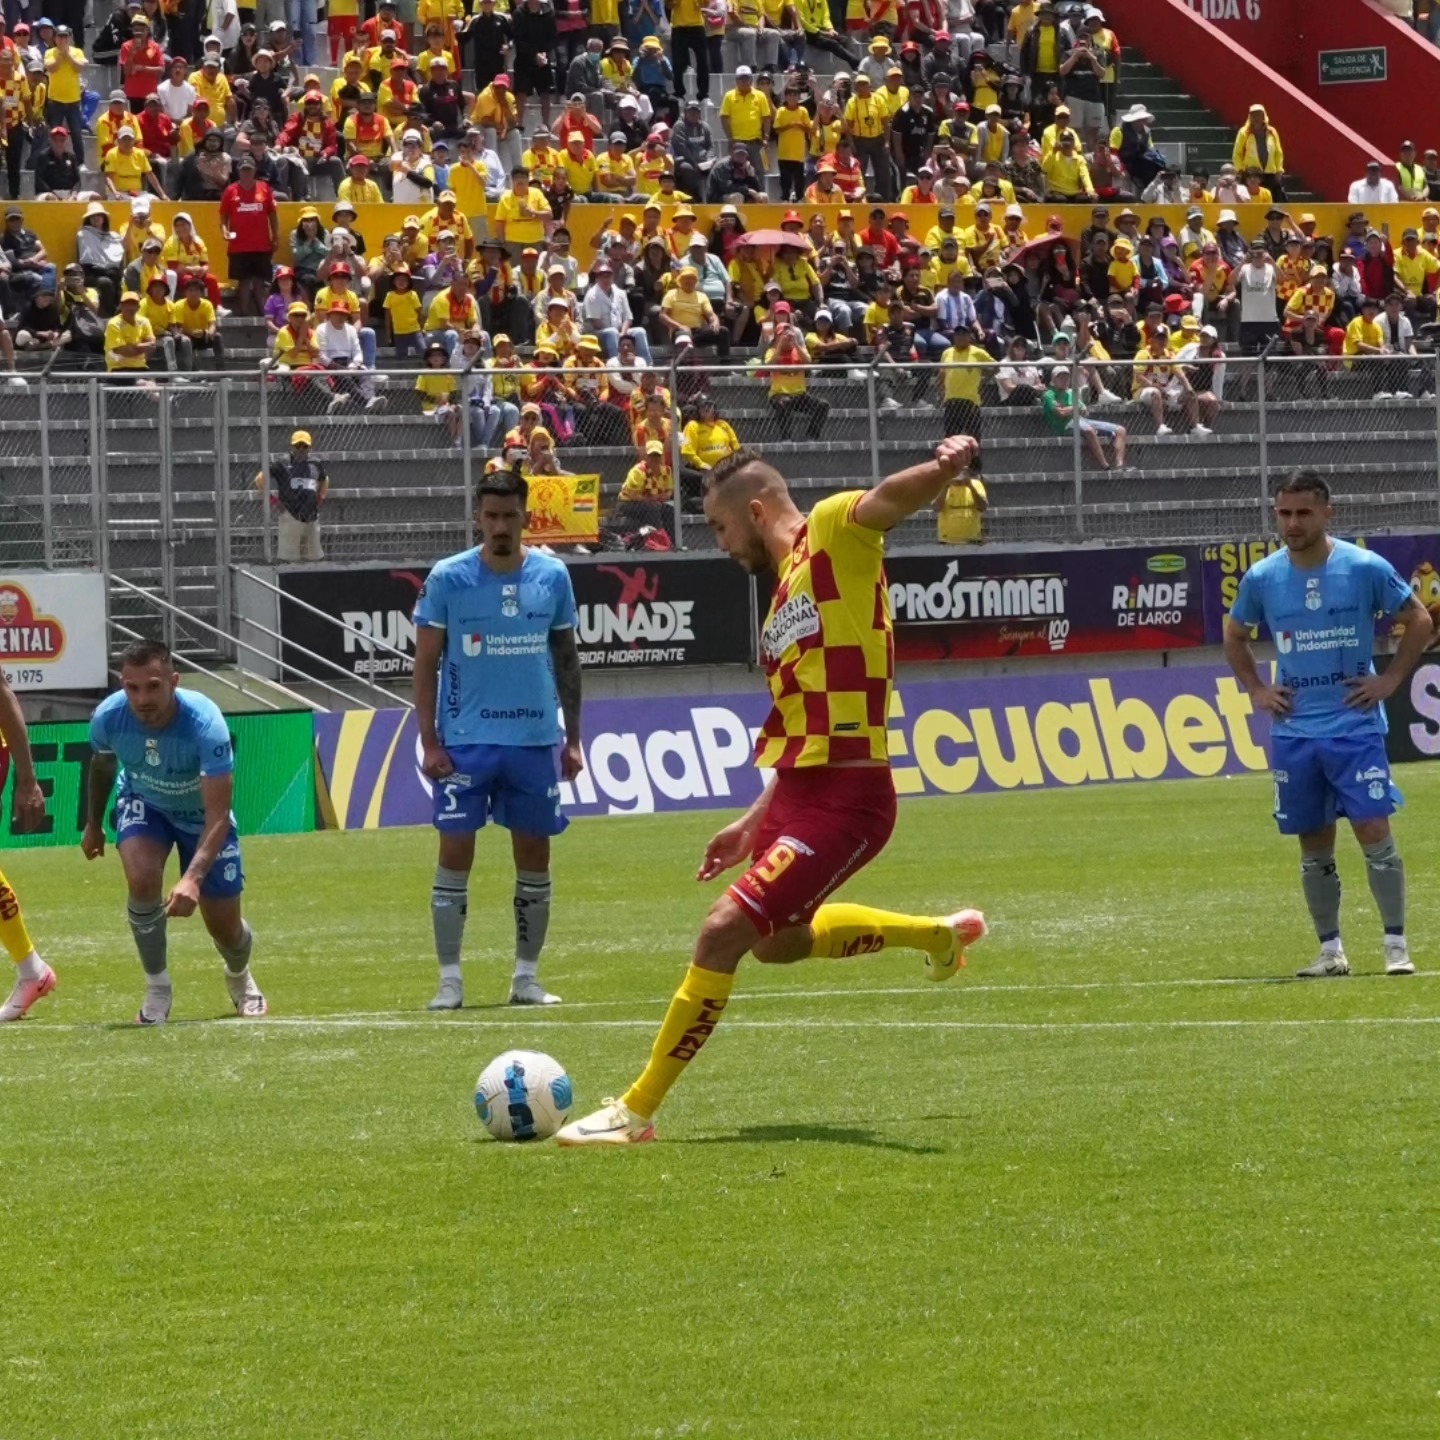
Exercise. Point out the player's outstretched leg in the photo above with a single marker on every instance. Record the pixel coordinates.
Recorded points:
(234, 939)
(34, 979)
(1320, 882)
(532, 918)
(728, 932)
(841, 930)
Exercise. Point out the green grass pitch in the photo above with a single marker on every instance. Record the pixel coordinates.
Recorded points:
(1118, 1180)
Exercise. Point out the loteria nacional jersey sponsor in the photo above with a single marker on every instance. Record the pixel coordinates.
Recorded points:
(827, 648)
(497, 686)
(1323, 624)
(164, 767)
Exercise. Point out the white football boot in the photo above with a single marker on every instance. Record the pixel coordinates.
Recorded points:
(966, 927)
(529, 991)
(1330, 961)
(27, 992)
(245, 993)
(156, 1008)
(450, 996)
(1397, 956)
(613, 1124)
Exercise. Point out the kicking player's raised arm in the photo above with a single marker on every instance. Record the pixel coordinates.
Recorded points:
(28, 801)
(897, 497)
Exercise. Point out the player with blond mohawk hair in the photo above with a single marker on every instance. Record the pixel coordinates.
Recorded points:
(828, 653)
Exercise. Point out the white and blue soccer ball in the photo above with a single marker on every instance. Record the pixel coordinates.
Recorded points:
(523, 1095)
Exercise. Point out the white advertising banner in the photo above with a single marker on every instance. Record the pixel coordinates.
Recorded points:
(52, 629)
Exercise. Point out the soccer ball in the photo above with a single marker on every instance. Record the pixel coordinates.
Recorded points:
(523, 1095)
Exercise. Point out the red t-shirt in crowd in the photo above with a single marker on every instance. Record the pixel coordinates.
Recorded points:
(248, 212)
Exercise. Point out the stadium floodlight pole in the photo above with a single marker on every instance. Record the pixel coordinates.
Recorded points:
(267, 541)
(675, 498)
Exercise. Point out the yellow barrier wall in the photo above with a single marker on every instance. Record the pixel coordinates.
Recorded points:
(57, 223)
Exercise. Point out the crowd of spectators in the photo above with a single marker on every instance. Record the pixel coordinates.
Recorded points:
(989, 111)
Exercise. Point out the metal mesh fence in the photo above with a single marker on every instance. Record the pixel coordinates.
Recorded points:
(394, 454)
(23, 541)
(1369, 425)
(157, 481)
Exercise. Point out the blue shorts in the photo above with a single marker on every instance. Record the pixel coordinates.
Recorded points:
(1318, 779)
(516, 786)
(135, 817)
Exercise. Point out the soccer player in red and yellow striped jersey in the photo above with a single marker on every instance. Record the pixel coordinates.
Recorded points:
(828, 654)
(34, 979)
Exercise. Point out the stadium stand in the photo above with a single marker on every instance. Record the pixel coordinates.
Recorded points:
(155, 479)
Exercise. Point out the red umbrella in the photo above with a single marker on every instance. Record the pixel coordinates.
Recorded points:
(1043, 246)
(773, 238)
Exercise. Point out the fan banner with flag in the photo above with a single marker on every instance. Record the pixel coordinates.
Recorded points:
(564, 509)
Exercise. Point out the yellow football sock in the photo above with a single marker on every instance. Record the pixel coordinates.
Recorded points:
(13, 934)
(841, 931)
(693, 1014)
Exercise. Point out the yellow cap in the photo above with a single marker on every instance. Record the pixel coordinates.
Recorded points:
(301, 437)
(654, 447)
(298, 308)
(128, 296)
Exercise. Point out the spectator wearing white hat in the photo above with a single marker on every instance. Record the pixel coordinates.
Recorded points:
(1137, 147)
(1083, 75)
(1107, 46)
(1374, 189)
(746, 115)
(412, 176)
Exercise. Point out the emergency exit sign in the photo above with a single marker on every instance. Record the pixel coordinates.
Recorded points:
(1345, 67)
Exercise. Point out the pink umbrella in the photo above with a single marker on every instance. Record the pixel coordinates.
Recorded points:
(774, 238)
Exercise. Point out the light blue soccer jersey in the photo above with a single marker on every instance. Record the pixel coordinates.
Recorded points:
(164, 767)
(1323, 624)
(497, 686)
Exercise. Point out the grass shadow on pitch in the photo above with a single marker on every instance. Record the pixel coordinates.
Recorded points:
(815, 1135)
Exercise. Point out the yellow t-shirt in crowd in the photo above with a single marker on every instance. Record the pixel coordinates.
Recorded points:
(792, 132)
(128, 172)
(65, 82)
(403, 308)
(691, 310)
(746, 113)
(435, 387)
(193, 319)
(524, 218)
(117, 332)
(964, 384)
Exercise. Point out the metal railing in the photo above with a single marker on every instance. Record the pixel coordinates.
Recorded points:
(156, 482)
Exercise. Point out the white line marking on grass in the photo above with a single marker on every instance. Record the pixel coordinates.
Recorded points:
(366, 1022)
(919, 988)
